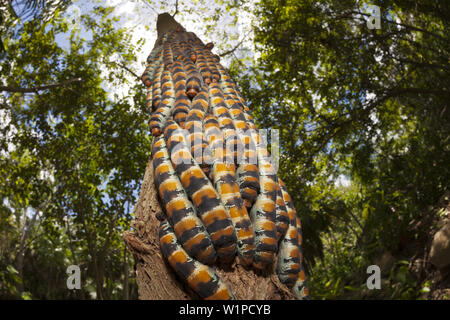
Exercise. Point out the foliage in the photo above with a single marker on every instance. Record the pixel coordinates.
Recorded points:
(72, 157)
(367, 105)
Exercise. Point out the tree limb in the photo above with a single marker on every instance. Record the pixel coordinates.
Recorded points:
(39, 88)
(176, 8)
(223, 54)
(126, 68)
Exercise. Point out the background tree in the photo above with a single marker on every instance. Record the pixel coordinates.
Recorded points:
(70, 163)
(369, 106)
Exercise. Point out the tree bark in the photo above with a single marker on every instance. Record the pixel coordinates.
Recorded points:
(155, 279)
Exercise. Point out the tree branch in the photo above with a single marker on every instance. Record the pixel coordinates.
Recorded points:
(223, 54)
(126, 68)
(176, 8)
(39, 88)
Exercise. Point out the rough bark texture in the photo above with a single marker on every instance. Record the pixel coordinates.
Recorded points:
(155, 279)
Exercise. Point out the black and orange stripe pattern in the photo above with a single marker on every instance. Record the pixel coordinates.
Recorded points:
(200, 278)
(281, 214)
(248, 176)
(224, 177)
(194, 125)
(220, 194)
(180, 212)
(288, 266)
(233, 145)
(164, 96)
(182, 102)
(204, 196)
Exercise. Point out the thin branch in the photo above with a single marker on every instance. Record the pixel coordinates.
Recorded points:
(126, 68)
(148, 5)
(40, 88)
(176, 8)
(223, 54)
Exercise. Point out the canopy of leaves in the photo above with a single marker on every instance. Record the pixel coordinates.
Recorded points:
(369, 106)
(72, 157)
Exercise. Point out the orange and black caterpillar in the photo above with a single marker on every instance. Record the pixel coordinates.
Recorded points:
(149, 99)
(164, 92)
(247, 172)
(180, 212)
(168, 56)
(194, 79)
(194, 125)
(299, 288)
(281, 214)
(211, 61)
(203, 66)
(224, 177)
(263, 218)
(233, 145)
(288, 266)
(213, 214)
(237, 93)
(182, 102)
(201, 278)
(155, 60)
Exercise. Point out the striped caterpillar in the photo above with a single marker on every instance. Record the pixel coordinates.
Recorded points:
(204, 197)
(200, 278)
(181, 213)
(220, 194)
(224, 177)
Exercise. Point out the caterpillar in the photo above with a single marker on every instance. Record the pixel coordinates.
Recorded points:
(201, 278)
(248, 176)
(213, 214)
(210, 60)
(288, 265)
(166, 102)
(187, 226)
(225, 182)
(182, 103)
(193, 82)
(194, 124)
(300, 288)
(281, 214)
(153, 62)
(263, 218)
(234, 146)
(203, 66)
(176, 50)
(149, 99)
(237, 93)
(168, 57)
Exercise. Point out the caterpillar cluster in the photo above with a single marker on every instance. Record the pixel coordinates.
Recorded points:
(220, 194)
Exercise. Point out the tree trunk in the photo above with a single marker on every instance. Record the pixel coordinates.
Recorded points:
(155, 279)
